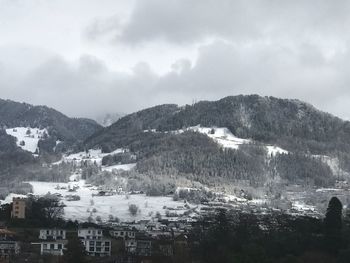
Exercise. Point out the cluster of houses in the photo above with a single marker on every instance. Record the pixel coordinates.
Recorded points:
(97, 242)
(54, 242)
(127, 242)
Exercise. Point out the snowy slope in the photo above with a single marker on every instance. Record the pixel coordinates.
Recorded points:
(27, 138)
(224, 137)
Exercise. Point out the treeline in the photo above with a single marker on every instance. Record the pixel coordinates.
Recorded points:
(119, 158)
(234, 236)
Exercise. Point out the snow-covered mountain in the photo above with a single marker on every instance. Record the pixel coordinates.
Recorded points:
(22, 116)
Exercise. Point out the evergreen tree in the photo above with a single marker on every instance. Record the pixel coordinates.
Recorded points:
(333, 225)
(333, 220)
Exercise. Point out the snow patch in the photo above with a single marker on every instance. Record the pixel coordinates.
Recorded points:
(10, 197)
(300, 206)
(124, 167)
(273, 150)
(27, 138)
(222, 136)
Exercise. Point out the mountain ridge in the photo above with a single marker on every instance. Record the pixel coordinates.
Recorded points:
(266, 119)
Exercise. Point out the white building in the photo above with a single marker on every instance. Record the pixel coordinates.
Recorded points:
(54, 241)
(52, 234)
(94, 242)
(55, 247)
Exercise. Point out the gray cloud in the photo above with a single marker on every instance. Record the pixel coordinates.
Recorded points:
(290, 49)
(224, 69)
(88, 87)
(182, 21)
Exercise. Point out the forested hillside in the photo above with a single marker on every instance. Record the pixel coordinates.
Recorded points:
(155, 137)
(59, 126)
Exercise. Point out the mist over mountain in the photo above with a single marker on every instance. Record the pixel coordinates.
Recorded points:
(109, 118)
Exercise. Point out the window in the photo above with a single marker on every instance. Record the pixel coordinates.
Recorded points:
(99, 232)
(52, 246)
(59, 246)
(107, 249)
(45, 246)
(98, 249)
(92, 243)
(107, 243)
(122, 233)
(98, 243)
(91, 249)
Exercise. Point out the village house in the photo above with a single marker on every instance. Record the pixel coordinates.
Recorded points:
(123, 232)
(18, 208)
(8, 245)
(52, 234)
(54, 241)
(94, 242)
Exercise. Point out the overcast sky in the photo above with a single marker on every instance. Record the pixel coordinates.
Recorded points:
(90, 57)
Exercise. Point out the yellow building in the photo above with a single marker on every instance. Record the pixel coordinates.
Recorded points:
(18, 208)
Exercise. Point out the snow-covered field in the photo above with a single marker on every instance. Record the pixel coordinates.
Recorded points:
(90, 155)
(27, 138)
(96, 156)
(104, 206)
